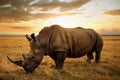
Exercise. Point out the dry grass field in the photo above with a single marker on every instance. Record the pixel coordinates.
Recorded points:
(74, 69)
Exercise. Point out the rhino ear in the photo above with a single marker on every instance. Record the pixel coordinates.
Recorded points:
(33, 36)
(28, 37)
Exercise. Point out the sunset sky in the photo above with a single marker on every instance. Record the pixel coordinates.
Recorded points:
(30, 16)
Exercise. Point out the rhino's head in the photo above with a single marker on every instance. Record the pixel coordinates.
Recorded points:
(32, 60)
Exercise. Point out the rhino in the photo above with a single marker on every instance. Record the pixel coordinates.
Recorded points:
(60, 43)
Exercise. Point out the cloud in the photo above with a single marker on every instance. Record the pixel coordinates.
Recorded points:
(22, 28)
(89, 16)
(64, 6)
(25, 10)
(3, 2)
(16, 3)
(112, 31)
(8, 14)
(115, 12)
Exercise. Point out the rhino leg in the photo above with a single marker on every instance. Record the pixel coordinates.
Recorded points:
(89, 57)
(98, 49)
(98, 52)
(97, 57)
(59, 58)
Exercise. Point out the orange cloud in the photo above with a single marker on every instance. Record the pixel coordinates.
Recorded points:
(115, 12)
(22, 28)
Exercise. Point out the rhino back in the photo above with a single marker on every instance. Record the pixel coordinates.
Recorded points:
(73, 40)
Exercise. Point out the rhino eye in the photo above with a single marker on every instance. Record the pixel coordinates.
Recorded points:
(32, 57)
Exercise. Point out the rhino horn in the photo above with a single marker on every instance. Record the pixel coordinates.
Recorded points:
(19, 62)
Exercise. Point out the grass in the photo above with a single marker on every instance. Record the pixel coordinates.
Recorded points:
(74, 69)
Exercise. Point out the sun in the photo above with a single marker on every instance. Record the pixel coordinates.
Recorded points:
(64, 21)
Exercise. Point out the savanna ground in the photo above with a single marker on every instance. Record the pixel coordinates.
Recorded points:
(74, 69)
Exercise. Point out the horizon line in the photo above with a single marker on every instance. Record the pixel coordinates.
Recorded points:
(29, 34)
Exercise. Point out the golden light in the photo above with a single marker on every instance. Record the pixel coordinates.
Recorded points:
(65, 21)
